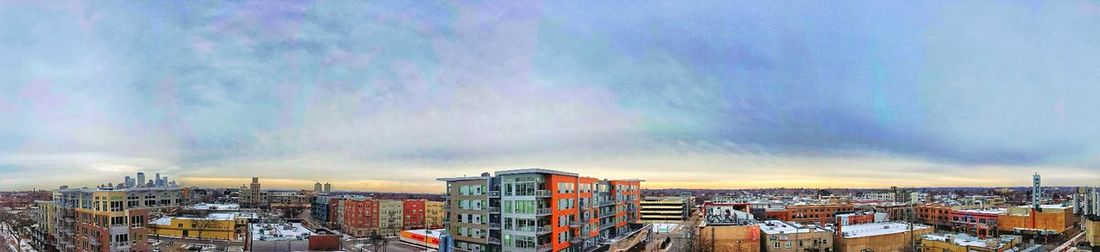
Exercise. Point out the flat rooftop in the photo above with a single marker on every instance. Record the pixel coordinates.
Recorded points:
(212, 206)
(279, 232)
(967, 240)
(781, 227)
(878, 228)
(997, 211)
(434, 232)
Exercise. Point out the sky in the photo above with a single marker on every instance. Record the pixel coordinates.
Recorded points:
(389, 95)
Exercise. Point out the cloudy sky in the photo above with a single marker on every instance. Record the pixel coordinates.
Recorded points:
(388, 95)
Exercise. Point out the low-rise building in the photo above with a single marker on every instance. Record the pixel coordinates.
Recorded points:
(277, 237)
(980, 222)
(966, 243)
(820, 214)
(879, 236)
(666, 209)
(220, 226)
(791, 237)
(1046, 220)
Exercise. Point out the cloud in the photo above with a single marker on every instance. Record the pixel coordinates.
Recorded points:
(384, 94)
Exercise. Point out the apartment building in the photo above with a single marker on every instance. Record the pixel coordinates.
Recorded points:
(414, 214)
(253, 196)
(666, 209)
(539, 210)
(782, 236)
(434, 214)
(108, 219)
(358, 216)
(391, 217)
(319, 209)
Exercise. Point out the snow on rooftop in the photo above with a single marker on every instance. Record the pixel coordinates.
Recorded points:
(781, 227)
(967, 240)
(279, 232)
(213, 206)
(997, 211)
(434, 232)
(878, 228)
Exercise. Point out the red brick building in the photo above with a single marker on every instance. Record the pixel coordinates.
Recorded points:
(414, 213)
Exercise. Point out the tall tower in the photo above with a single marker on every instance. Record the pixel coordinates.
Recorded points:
(317, 187)
(141, 179)
(328, 187)
(157, 181)
(1036, 191)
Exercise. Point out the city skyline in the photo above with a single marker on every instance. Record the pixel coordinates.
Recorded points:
(387, 96)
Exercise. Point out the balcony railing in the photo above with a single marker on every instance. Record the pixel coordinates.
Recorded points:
(606, 214)
(607, 225)
(542, 230)
(575, 223)
(494, 194)
(494, 209)
(542, 193)
(494, 225)
(577, 239)
(544, 247)
(543, 211)
(494, 240)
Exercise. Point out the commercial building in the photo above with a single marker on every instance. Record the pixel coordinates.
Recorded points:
(666, 209)
(423, 237)
(106, 218)
(731, 238)
(966, 243)
(277, 237)
(878, 236)
(781, 236)
(219, 226)
(539, 210)
(820, 214)
(980, 222)
(1045, 220)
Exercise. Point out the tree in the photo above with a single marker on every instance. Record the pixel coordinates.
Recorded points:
(203, 224)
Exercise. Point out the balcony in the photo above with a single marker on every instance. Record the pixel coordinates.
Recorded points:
(543, 247)
(494, 226)
(575, 223)
(543, 230)
(543, 211)
(494, 194)
(494, 209)
(494, 240)
(542, 193)
(607, 214)
(607, 203)
(576, 240)
(607, 225)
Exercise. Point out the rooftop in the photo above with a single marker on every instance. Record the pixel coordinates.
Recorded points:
(997, 211)
(878, 228)
(212, 206)
(535, 170)
(782, 227)
(967, 240)
(279, 232)
(433, 233)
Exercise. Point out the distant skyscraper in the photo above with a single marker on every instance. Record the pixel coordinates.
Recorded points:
(317, 187)
(164, 181)
(1036, 192)
(141, 179)
(328, 187)
(128, 182)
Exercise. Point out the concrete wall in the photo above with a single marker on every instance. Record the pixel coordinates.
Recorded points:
(729, 238)
(890, 242)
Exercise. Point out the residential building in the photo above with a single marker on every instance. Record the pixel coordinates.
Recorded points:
(253, 196)
(434, 214)
(413, 214)
(539, 210)
(328, 187)
(108, 219)
(666, 209)
(391, 217)
(966, 243)
(879, 236)
(43, 214)
(358, 216)
(319, 210)
(781, 236)
(1092, 231)
(317, 187)
(288, 199)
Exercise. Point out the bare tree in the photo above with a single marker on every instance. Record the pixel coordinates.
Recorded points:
(203, 224)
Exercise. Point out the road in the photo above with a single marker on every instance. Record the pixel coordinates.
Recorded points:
(173, 244)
